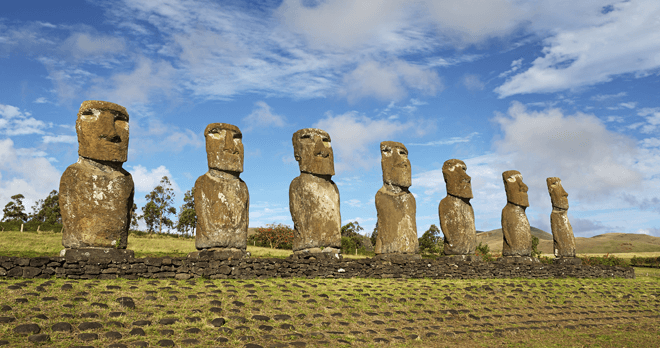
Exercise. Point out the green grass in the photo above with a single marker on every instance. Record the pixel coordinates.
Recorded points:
(488, 313)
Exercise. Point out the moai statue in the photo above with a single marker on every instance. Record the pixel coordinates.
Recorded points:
(515, 226)
(96, 193)
(562, 232)
(314, 197)
(221, 197)
(395, 205)
(456, 213)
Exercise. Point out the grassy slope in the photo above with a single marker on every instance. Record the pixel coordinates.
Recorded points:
(612, 243)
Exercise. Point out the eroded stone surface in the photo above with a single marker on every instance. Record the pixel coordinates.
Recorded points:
(395, 205)
(562, 232)
(96, 193)
(313, 196)
(515, 226)
(455, 211)
(221, 198)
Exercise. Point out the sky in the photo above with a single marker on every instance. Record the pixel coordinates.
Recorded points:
(546, 87)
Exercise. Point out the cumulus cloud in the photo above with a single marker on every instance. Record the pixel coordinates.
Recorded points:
(13, 121)
(577, 148)
(146, 180)
(622, 41)
(389, 81)
(68, 139)
(450, 141)
(27, 172)
(84, 45)
(262, 116)
(149, 135)
(356, 138)
(652, 117)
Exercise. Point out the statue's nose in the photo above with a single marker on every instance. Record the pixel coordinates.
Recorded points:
(107, 124)
(230, 146)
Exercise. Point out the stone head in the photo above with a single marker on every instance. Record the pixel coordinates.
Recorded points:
(457, 181)
(516, 190)
(558, 195)
(102, 129)
(312, 150)
(395, 163)
(224, 147)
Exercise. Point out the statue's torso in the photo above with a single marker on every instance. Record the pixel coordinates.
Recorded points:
(222, 208)
(397, 226)
(516, 231)
(314, 206)
(95, 206)
(562, 234)
(457, 225)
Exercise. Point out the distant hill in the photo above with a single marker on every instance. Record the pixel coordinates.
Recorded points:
(604, 243)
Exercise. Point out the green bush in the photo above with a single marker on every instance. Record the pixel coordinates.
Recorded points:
(431, 242)
(645, 261)
(535, 247)
(606, 260)
(483, 250)
(273, 236)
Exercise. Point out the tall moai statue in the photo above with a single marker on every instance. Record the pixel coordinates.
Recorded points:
(96, 193)
(456, 213)
(395, 205)
(222, 200)
(562, 232)
(515, 226)
(314, 197)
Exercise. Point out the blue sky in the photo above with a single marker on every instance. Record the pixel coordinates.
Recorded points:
(547, 87)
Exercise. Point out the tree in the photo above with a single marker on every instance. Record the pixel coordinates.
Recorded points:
(535, 247)
(351, 229)
(187, 215)
(374, 235)
(134, 218)
(48, 210)
(430, 240)
(14, 210)
(159, 206)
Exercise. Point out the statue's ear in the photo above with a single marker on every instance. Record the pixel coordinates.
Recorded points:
(297, 157)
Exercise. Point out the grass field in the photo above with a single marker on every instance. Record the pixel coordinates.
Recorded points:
(319, 312)
(331, 313)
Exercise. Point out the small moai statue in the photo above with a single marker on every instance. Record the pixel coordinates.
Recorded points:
(222, 200)
(456, 213)
(562, 232)
(395, 205)
(515, 226)
(314, 197)
(96, 193)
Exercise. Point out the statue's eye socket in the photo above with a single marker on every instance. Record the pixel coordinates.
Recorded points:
(401, 152)
(120, 117)
(238, 136)
(87, 112)
(326, 140)
(306, 136)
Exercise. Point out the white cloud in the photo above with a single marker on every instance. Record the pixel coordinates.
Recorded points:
(15, 122)
(450, 141)
(389, 82)
(650, 142)
(25, 171)
(355, 138)
(84, 45)
(69, 139)
(262, 116)
(150, 135)
(652, 116)
(629, 105)
(602, 97)
(515, 65)
(355, 203)
(578, 148)
(473, 82)
(41, 100)
(146, 180)
(620, 42)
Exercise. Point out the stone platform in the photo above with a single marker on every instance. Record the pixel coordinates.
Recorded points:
(84, 254)
(219, 254)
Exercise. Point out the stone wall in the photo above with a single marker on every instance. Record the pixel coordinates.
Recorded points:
(251, 268)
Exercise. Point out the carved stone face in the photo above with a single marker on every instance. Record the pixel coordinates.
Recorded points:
(102, 129)
(516, 190)
(457, 180)
(224, 147)
(395, 164)
(312, 150)
(558, 195)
